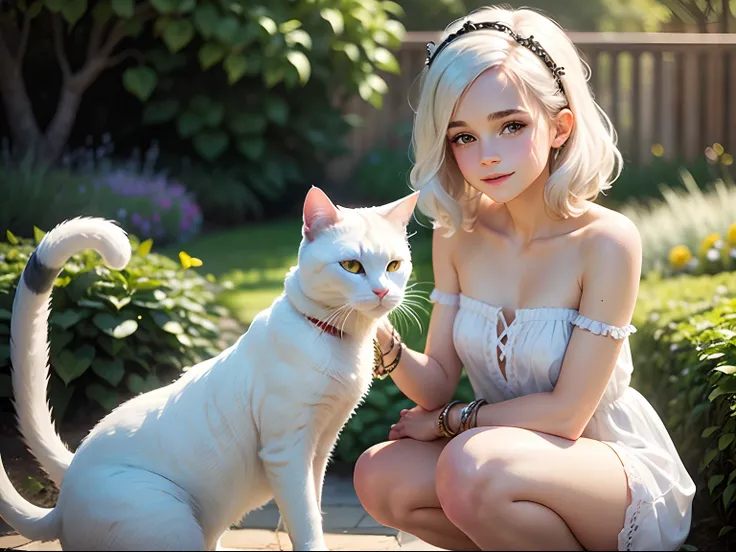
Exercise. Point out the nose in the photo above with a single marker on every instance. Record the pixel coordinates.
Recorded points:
(381, 293)
(489, 160)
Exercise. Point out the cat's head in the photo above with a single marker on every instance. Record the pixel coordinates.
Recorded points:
(355, 258)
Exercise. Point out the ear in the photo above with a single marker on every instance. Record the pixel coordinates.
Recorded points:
(319, 213)
(564, 123)
(400, 211)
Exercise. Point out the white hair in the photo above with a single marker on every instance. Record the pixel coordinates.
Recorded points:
(588, 163)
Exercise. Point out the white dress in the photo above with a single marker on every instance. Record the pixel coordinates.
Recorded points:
(533, 347)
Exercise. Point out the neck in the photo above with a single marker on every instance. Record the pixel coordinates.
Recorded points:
(355, 325)
(529, 216)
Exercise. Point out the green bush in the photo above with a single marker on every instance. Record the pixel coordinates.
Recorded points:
(115, 334)
(685, 364)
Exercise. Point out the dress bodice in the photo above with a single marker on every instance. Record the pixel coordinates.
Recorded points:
(530, 348)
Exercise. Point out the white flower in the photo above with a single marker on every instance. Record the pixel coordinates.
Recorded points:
(712, 255)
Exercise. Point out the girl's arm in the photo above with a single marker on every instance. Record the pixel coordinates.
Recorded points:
(429, 379)
(612, 268)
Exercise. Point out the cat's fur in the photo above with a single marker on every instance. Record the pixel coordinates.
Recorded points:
(175, 467)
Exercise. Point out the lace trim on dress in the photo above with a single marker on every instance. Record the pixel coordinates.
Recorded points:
(599, 328)
(444, 298)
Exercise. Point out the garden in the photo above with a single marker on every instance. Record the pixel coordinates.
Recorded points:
(199, 127)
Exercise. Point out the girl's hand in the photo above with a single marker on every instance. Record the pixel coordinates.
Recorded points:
(417, 423)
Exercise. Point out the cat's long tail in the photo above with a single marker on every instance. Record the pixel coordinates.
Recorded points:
(29, 347)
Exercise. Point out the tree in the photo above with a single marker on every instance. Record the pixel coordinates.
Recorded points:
(702, 12)
(284, 43)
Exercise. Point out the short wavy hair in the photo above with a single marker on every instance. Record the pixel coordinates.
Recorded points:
(588, 164)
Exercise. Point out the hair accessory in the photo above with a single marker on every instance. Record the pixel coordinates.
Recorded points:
(530, 43)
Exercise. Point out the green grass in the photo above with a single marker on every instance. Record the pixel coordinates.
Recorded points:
(255, 259)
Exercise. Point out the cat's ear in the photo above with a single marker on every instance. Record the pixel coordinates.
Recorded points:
(319, 213)
(400, 211)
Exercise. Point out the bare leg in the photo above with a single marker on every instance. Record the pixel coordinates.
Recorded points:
(513, 489)
(395, 482)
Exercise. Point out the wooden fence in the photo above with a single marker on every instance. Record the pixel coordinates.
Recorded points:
(673, 89)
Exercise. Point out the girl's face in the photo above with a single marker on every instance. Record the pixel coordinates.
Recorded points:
(500, 142)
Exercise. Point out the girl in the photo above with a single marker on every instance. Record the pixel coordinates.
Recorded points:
(535, 286)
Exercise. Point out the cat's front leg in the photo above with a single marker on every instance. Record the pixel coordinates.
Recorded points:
(290, 473)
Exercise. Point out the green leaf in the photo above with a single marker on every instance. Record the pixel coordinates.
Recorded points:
(272, 76)
(210, 54)
(35, 9)
(105, 397)
(334, 18)
(165, 6)
(155, 113)
(72, 364)
(227, 29)
(67, 318)
(54, 5)
(140, 81)
(5, 314)
(145, 248)
(288, 26)
(302, 65)
(38, 234)
(709, 431)
(714, 481)
(248, 123)
(137, 384)
(6, 386)
(73, 10)
(115, 326)
(206, 19)
(252, 148)
(709, 456)
(268, 24)
(731, 477)
(277, 110)
(123, 8)
(11, 238)
(299, 37)
(31, 486)
(102, 11)
(213, 114)
(189, 123)
(236, 66)
(177, 34)
(386, 61)
(725, 530)
(211, 144)
(726, 369)
(112, 371)
(393, 8)
(725, 440)
(728, 495)
(4, 353)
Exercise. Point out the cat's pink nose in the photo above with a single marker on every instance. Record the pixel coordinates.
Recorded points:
(381, 293)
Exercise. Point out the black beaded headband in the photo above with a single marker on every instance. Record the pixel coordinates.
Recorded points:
(530, 43)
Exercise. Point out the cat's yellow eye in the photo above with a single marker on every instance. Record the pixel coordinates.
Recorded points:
(393, 266)
(354, 267)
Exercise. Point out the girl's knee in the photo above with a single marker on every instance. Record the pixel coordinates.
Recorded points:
(371, 479)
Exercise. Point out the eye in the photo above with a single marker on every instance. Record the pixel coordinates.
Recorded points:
(461, 139)
(354, 267)
(513, 127)
(393, 266)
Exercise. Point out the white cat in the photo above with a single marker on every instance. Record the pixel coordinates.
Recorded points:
(173, 468)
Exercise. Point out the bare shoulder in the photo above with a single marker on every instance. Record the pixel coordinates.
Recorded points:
(610, 235)
(443, 259)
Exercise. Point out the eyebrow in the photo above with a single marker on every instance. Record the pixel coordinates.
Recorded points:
(491, 117)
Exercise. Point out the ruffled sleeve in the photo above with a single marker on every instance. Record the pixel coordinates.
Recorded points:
(443, 298)
(599, 328)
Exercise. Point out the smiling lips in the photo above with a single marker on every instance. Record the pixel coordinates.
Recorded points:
(496, 179)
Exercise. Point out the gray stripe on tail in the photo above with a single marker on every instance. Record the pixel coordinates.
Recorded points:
(38, 277)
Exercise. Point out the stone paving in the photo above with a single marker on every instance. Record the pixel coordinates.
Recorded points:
(346, 524)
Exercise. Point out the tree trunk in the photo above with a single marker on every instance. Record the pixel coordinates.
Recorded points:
(725, 15)
(58, 131)
(24, 130)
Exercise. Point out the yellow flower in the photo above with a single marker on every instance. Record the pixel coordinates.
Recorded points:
(727, 159)
(679, 256)
(731, 235)
(187, 261)
(718, 148)
(658, 150)
(708, 242)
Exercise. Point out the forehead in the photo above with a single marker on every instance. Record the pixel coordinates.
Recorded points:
(492, 91)
(372, 232)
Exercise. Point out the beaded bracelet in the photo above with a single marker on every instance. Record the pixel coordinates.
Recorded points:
(380, 370)
(442, 425)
